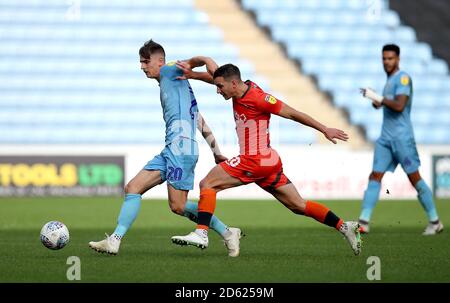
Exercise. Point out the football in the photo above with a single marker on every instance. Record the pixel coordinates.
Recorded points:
(54, 235)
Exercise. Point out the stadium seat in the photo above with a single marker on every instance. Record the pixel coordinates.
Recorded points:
(339, 43)
(70, 79)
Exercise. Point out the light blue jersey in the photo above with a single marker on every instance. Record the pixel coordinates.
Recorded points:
(397, 125)
(395, 146)
(396, 143)
(176, 162)
(179, 105)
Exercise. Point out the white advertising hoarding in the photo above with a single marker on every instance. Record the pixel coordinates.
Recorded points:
(319, 172)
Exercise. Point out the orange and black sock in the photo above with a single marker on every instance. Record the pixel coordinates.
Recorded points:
(206, 207)
(322, 214)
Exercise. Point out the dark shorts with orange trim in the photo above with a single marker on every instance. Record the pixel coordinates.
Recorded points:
(265, 171)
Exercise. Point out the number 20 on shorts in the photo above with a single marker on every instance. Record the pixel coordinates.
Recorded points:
(174, 173)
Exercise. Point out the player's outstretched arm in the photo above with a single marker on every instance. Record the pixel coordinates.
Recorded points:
(305, 119)
(187, 67)
(210, 139)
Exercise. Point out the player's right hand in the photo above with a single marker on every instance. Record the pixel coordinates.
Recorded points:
(371, 94)
(186, 69)
(334, 133)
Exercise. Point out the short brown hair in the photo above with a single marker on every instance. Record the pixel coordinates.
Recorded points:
(392, 48)
(228, 71)
(149, 48)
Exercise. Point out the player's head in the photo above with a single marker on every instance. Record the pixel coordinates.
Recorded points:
(391, 58)
(227, 79)
(152, 57)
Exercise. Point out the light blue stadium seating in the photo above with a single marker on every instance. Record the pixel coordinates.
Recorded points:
(70, 71)
(339, 43)
(310, 4)
(285, 132)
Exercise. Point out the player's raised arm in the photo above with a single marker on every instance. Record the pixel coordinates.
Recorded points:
(210, 139)
(187, 67)
(293, 114)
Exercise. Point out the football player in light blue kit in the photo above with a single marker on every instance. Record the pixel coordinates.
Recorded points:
(396, 145)
(177, 161)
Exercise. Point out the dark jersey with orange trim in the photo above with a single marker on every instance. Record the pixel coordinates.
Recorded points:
(252, 116)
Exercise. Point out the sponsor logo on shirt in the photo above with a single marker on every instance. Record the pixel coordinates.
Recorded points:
(404, 80)
(233, 162)
(270, 99)
(241, 117)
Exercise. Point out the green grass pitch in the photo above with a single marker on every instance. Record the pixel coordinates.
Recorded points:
(279, 246)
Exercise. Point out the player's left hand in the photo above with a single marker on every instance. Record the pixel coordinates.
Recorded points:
(186, 69)
(219, 158)
(334, 133)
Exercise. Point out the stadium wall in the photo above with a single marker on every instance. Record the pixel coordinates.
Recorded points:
(331, 172)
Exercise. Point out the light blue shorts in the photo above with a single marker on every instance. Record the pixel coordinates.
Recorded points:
(389, 153)
(175, 165)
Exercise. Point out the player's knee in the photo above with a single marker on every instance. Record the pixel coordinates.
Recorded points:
(176, 207)
(130, 189)
(375, 176)
(414, 178)
(204, 184)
